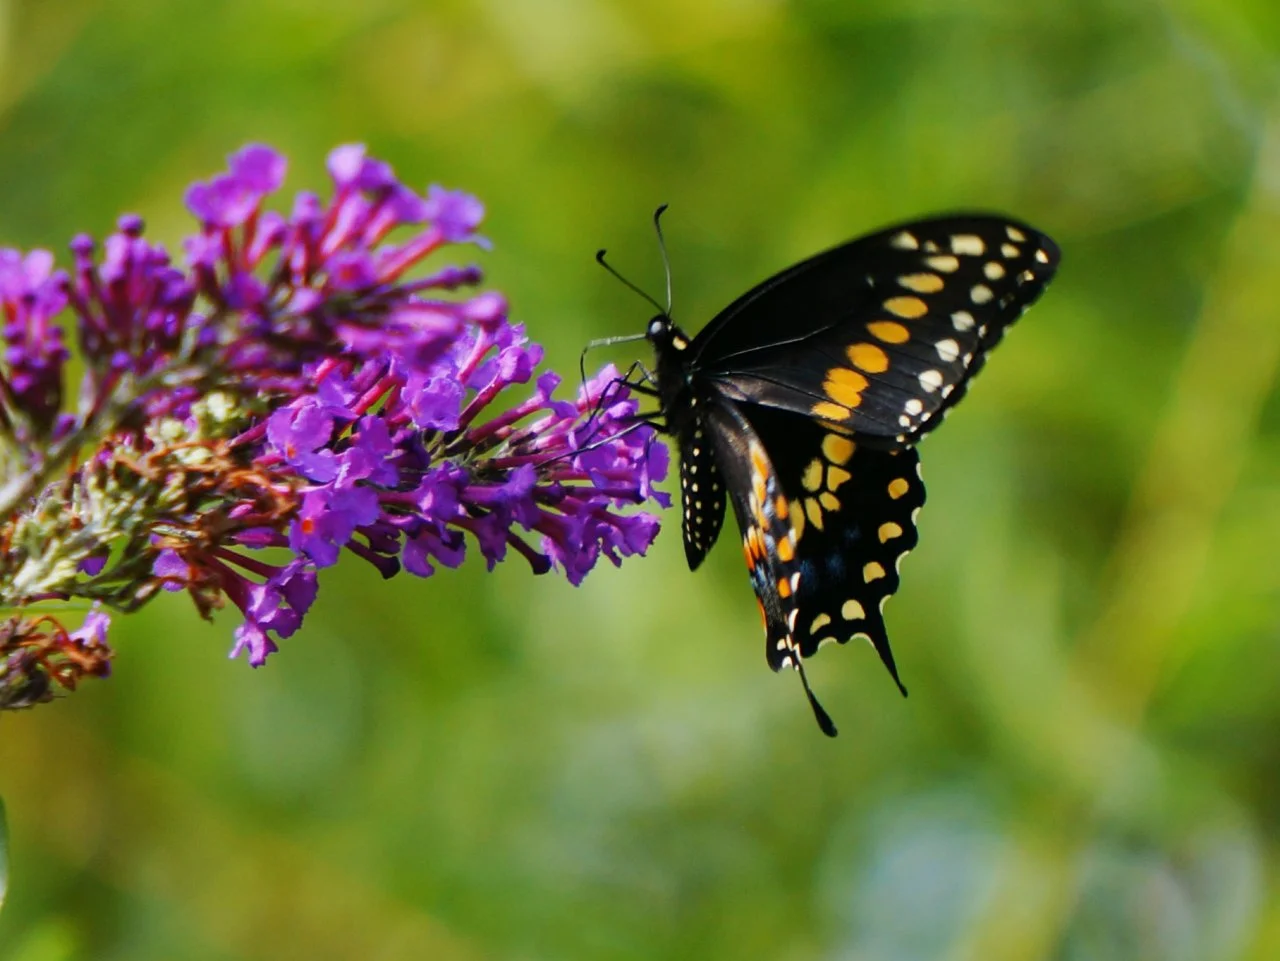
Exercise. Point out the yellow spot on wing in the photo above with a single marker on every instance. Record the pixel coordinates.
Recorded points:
(850, 378)
(837, 449)
(829, 501)
(872, 571)
(812, 477)
(897, 487)
(904, 241)
(836, 476)
(922, 283)
(970, 244)
(813, 512)
(828, 411)
(845, 386)
(852, 611)
(819, 622)
(868, 357)
(907, 307)
(889, 530)
(888, 331)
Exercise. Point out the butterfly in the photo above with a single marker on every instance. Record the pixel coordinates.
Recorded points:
(801, 404)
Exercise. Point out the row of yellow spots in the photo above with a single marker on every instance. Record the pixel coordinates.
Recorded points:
(889, 530)
(844, 385)
(969, 245)
(850, 610)
(823, 476)
(754, 544)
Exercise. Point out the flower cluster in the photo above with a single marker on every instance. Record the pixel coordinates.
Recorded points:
(297, 388)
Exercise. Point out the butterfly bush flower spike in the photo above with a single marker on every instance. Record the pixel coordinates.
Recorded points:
(298, 385)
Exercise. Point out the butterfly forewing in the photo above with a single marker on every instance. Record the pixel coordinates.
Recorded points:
(882, 335)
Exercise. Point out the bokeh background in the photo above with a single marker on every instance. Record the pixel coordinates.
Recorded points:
(497, 766)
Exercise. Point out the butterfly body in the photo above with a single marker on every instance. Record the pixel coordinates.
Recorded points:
(800, 404)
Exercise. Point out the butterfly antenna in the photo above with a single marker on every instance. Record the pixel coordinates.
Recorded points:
(609, 267)
(819, 713)
(662, 246)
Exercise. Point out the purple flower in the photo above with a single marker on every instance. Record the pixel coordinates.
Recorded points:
(305, 384)
(455, 214)
(229, 199)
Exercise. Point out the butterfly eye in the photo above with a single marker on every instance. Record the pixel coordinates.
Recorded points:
(658, 326)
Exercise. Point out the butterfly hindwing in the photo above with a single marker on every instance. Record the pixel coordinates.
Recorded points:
(882, 335)
(701, 491)
(859, 506)
(825, 524)
(770, 531)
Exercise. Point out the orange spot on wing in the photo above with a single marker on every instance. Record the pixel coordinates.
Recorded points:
(837, 449)
(829, 411)
(889, 331)
(922, 283)
(845, 386)
(868, 357)
(759, 459)
(907, 307)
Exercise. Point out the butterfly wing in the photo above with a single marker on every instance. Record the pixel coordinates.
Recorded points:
(879, 336)
(701, 490)
(825, 523)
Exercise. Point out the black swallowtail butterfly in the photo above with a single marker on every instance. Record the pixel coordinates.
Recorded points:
(802, 401)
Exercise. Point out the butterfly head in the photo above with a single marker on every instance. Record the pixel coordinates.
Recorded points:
(663, 333)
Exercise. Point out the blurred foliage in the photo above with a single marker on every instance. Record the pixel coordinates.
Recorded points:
(501, 766)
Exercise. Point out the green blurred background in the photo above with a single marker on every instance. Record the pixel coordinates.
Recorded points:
(497, 766)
